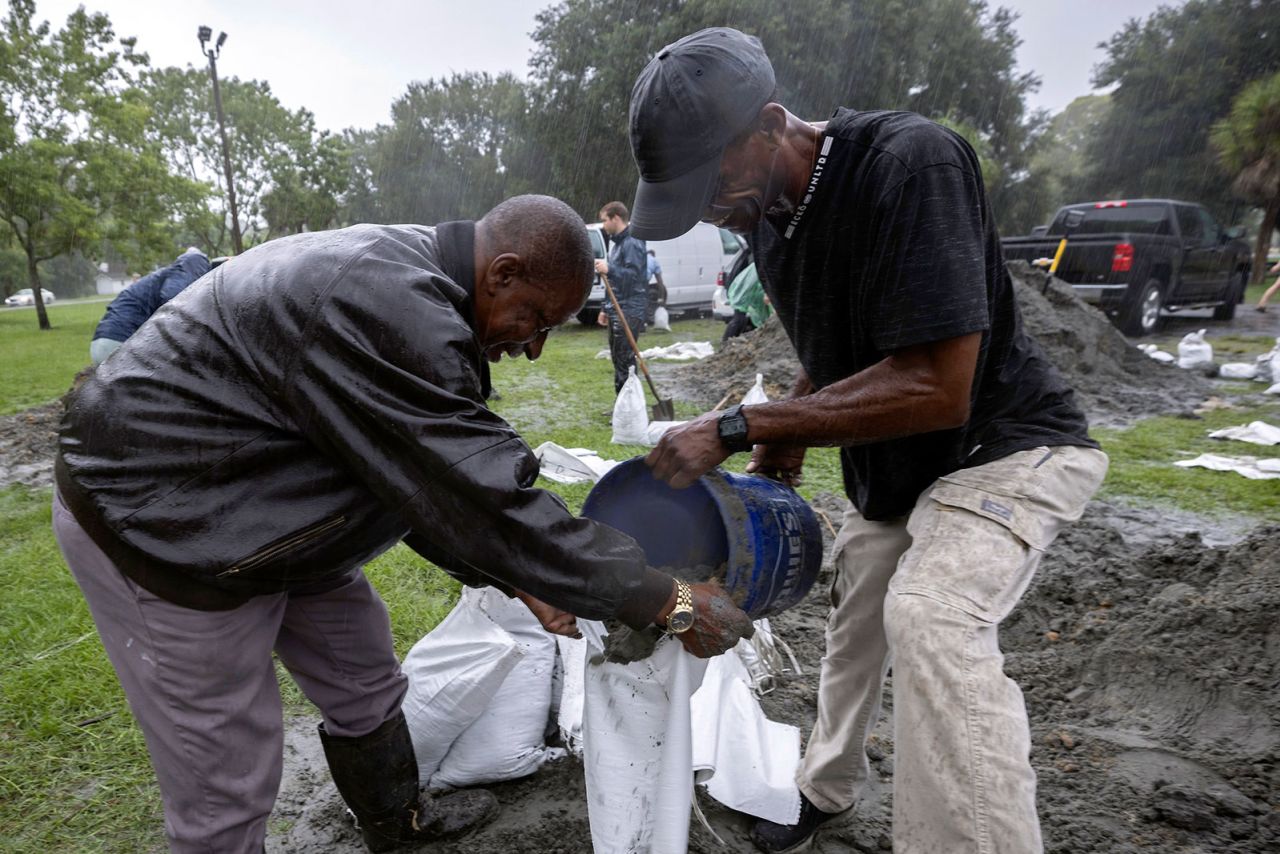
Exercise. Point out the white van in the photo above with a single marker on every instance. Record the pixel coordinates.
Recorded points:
(691, 264)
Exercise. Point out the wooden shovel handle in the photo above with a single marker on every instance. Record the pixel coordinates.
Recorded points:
(631, 339)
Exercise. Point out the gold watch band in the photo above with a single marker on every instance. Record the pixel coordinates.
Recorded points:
(681, 617)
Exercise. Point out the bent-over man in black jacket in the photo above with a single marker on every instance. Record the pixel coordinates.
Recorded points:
(222, 479)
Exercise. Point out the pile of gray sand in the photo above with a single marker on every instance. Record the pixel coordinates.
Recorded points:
(1115, 382)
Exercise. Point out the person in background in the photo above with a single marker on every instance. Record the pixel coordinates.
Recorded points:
(1271, 291)
(963, 450)
(750, 304)
(657, 288)
(132, 306)
(628, 270)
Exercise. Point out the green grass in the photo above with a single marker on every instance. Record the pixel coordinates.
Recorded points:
(73, 773)
(39, 365)
(1142, 467)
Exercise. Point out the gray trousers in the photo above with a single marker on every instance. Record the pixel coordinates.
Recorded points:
(203, 688)
(926, 594)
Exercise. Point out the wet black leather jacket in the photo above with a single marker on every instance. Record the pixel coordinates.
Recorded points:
(305, 406)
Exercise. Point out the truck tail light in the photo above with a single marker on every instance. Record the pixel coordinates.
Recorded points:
(1111, 205)
(1122, 258)
(720, 279)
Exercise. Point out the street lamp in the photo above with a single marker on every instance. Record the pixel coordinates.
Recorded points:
(204, 34)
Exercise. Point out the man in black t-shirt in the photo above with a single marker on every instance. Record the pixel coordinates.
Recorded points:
(962, 448)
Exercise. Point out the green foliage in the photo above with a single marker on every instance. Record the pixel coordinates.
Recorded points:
(77, 169)
(951, 58)
(1060, 162)
(454, 149)
(1248, 143)
(1174, 75)
(289, 177)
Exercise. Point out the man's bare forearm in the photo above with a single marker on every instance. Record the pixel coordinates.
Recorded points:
(919, 390)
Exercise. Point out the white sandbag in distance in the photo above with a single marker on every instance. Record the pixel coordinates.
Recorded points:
(1194, 351)
(637, 753)
(747, 761)
(453, 674)
(661, 319)
(630, 413)
(507, 741)
(1238, 371)
(756, 393)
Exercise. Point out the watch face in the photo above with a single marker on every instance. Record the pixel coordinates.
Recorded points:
(680, 621)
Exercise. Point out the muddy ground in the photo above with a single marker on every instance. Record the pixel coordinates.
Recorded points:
(1148, 650)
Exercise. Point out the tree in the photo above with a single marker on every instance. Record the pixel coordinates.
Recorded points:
(942, 58)
(289, 177)
(453, 150)
(1174, 75)
(77, 171)
(1248, 143)
(1059, 160)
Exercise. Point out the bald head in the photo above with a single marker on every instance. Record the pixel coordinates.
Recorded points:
(547, 235)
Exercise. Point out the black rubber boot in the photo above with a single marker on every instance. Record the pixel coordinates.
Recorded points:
(377, 775)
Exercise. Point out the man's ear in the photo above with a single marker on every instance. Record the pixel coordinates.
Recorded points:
(772, 123)
(503, 271)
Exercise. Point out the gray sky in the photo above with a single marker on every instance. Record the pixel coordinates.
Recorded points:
(347, 61)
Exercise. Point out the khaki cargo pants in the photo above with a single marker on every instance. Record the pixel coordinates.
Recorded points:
(925, 594)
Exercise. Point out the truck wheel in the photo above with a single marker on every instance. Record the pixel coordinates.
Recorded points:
(1234, 294)
(1141, 316)
(587, 317)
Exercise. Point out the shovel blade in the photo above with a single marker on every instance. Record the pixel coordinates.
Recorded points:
(664, 411)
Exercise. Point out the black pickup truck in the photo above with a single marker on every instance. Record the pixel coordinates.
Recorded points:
(1137, 258)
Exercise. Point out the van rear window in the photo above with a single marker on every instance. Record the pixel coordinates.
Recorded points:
(1136, 219)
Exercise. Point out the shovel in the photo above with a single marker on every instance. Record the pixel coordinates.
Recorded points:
(662, 409)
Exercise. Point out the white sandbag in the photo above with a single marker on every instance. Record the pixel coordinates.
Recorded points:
(507, 741)
(1275, 389)
(1250, 467)
(571, 465)
(661, 319)
(747, 761)
(453, 673)
(630, 414)
(1269, 365)
(681, 351)
(1194, 351)
(638, 750)
(1238, 371)
(756, 393)
(653, 433)
(573, 662)
(1255, 433)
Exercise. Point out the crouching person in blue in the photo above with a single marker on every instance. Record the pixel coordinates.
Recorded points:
(225, 475)
(132, 306)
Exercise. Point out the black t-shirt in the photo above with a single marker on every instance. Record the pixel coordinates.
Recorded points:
(894, 246)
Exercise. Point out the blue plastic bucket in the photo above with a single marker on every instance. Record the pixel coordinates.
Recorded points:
(768, 535)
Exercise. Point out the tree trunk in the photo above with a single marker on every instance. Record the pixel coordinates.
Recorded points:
(37, 293)
(1270, 213)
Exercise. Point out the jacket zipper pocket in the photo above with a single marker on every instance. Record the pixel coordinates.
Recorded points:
(281, 546)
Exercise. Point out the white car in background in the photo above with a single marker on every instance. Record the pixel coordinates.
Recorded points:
(26, 296)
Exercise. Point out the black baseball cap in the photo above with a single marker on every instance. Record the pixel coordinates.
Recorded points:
(692, 99)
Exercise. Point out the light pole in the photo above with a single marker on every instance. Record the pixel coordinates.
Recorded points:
(204, 34)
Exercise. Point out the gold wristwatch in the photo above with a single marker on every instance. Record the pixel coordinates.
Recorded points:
(681, 617)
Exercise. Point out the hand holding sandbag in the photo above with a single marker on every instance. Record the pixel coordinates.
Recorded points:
(718, 624)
